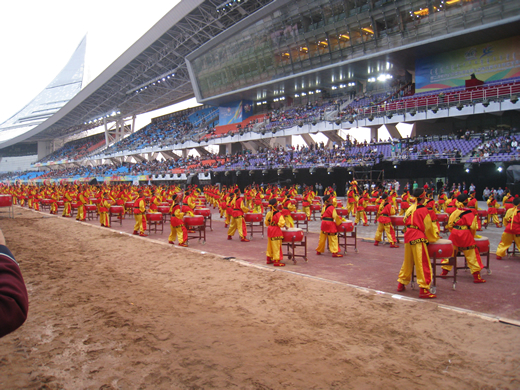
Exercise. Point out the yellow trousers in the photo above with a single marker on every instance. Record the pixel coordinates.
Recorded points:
(180, 231)
(139, 223)
(472, 259)
(494, 218)
(274, 248)
(239, 224)
(307, 211)
(351, 207)
(361, 215)
(333, 242)
(389, 229)
(104, 219)
(81, 213)
(66, 209)
(416, 255)
(505, 243)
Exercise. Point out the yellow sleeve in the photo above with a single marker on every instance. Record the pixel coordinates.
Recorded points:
(428, 229)
(267, 219)
(281, 222)
(451, 221)
(142, 206)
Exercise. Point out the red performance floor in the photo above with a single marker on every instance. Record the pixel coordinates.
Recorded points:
(371, 267)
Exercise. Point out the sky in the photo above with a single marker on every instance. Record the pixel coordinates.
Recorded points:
(39, 37)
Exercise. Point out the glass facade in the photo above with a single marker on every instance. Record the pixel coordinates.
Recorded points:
(305, 35)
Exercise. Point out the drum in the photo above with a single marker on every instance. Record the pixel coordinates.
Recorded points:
(398, 200)
(298, 198)
(315, 207)
(347, 226)
(265, 203)
(116, 209)
(61, 203)
(339, 204)
(96, 200)
(292, 234)
(164, 204)
(163, 209)
(90, 207)
(205, 212)
(372, 208)
(501, 211)
(129, 205)
(6, 200)
(397, 220)
(299, 216)
(482, 244)
(152, 216)
(253, 217)
(316, 201)
(197, 220)
(46, 201)
(74, 205)
(443, 217)
(482, 213)
(342, 212)
(441, 248)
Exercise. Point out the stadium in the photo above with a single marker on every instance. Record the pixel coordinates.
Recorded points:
(274, 74)
(291, 94)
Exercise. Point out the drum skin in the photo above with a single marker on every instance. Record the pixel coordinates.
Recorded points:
(197, 220)
(205, 212)
(346, 227)
(90, 207)
(117, 209)
(253, 217)
(163, 209)
(6, 200)
(442, 248)
(482, 213)
(292, 233)
(342, 211)
(397, 220)
(299, 216)
(154, 216)
(315, 207)
(482, 244)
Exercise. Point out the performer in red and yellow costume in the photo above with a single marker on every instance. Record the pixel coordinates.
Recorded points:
(352, 198)
(419, 232)
(237, 218)
(511, 231)
(492, 211)
(177, 226)
(274, 221)
(139, 215)
(463, 226)
(386, 209)
(329, 228)
(360, 209)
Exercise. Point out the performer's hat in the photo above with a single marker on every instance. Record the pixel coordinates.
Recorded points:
(326, 198)
(516, 201)
(462, 198)
(419, 193)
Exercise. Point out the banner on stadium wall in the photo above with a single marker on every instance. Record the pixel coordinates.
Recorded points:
(230, 113)
(492, 61)
(247, 109)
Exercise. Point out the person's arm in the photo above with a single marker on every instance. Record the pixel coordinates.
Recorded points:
(14, 301)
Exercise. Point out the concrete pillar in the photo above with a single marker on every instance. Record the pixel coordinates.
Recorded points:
(44, 149)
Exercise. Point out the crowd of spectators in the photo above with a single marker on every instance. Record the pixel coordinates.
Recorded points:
(74, 150)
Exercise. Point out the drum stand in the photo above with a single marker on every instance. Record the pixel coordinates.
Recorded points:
(438, 262)
(514, 251)
(465, 267)
(198, 232)
(343, 240)
(291, 249)
(120, 219)
(255, 227)
(155, 224)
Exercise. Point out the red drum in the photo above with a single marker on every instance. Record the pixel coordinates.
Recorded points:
(405, 205)
(202, 211)
(6, 200)
(315, 207)
(508, 206)
(397, 220)
(90, 207)
(342, 211)
(298, 198)
(501, 211)
(265, 204)
(46, 201)
(316, 201)
(442, 217)
(74, 205)
(292, 234)
(372, 208)
(169, 201)
(197, 220)
(253, 217)
(482, 244)
(129, 204)
(441, 248)
(164, 204)
(153, 216)
(482, 213)
(398, 200)
(299, 216)
(163, 209)
(116, 209)
(95, 200)
(61, 203)
(346, 226)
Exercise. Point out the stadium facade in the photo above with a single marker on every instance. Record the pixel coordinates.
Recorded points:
(260, 54)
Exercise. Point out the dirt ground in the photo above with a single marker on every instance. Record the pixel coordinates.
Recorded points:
(115, 311)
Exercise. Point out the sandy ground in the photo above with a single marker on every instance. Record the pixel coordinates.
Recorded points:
(114, 311)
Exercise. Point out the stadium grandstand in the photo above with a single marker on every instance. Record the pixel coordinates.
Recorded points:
(291, 91)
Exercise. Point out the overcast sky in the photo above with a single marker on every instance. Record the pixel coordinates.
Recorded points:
(39, 37)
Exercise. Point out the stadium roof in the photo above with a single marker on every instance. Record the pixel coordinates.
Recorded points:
(156, 60)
